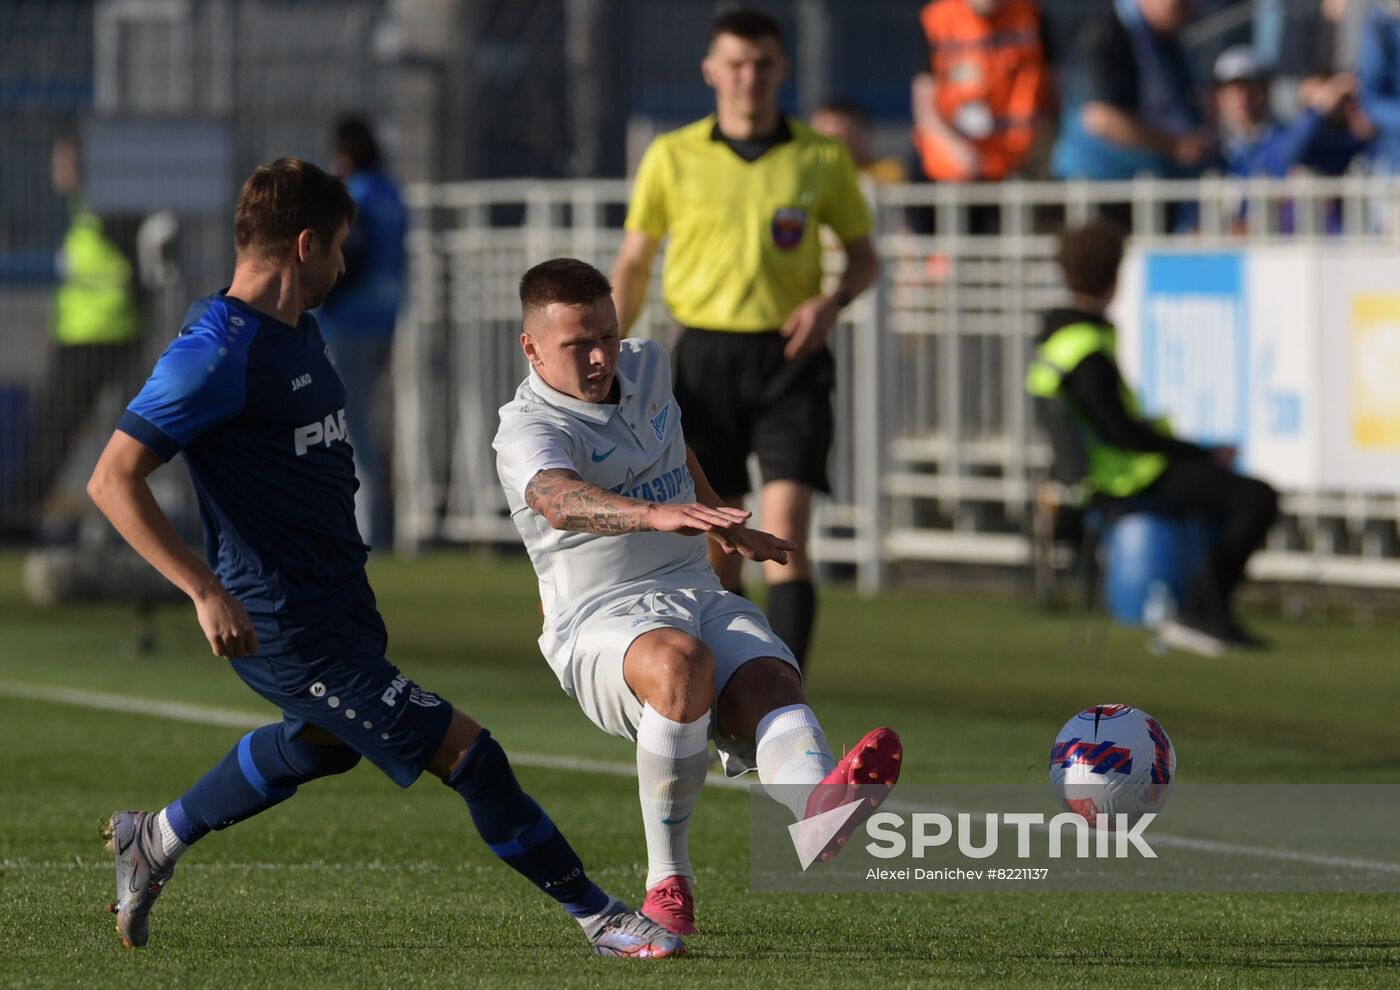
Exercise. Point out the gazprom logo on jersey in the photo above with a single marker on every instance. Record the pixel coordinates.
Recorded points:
(1195, 344)
(325, 431)
(662, 488)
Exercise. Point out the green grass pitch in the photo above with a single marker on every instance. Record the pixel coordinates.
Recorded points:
(356, 883)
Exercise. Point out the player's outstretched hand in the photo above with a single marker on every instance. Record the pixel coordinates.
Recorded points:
(753, 544)
(809, 326)
(693, 518)
(226, 625)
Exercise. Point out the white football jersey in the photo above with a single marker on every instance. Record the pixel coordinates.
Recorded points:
(634, 448)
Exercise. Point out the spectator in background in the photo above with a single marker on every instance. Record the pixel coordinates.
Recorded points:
(1136, 106)
(848, 123)
(987, 101)
(359, 316)
(1378, 69)
(96, 327)
(984, 103)
(1252, 143)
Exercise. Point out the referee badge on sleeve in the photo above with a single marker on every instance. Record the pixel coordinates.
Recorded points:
(789, 224)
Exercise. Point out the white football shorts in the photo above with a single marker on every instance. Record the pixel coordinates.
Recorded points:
(734, 629)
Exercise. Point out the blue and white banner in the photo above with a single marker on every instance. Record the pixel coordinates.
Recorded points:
(1193, 345)
(1225, 345)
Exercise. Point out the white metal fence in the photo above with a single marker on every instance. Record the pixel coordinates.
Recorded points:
(936, 454)
(171, 103)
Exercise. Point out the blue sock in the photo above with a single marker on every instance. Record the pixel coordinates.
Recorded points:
(518, 830)
(263, 770)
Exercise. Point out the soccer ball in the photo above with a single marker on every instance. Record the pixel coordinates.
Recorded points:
(1112, 760)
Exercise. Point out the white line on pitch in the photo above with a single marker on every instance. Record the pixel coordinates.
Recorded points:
(205, 715)
(179, 711)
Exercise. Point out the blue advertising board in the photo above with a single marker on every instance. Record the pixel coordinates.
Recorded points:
(1194, 362)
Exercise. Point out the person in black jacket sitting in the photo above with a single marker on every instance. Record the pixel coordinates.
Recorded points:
(1127, 455)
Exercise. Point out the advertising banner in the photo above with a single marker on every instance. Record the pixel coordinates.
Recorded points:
(1225, 345)
(1360, 370)
(1193, 345)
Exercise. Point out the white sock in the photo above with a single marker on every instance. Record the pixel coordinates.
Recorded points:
(793, 756)
(591, 923)
(169, 841)
(671, 766)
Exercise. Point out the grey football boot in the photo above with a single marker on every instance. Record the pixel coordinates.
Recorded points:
(133, 837)
(620, 931)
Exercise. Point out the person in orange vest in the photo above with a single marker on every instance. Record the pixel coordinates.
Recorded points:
(988, 101)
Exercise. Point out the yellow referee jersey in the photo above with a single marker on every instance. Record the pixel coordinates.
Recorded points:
(744, 248)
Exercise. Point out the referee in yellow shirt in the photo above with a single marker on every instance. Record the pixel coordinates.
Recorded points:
(741, 194)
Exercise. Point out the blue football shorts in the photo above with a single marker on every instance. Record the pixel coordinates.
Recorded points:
(347, 687)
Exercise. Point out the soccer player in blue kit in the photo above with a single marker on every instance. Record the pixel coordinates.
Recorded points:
(248, 393)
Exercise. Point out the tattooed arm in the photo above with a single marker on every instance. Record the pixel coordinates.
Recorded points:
(569, 502)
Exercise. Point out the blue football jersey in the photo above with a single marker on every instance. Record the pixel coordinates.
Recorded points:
(259, 412)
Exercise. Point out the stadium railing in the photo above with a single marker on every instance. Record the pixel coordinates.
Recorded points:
(936, 456)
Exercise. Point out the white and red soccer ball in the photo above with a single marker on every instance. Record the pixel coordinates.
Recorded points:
(1112, 760)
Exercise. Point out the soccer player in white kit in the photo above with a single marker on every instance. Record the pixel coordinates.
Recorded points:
(610, 501)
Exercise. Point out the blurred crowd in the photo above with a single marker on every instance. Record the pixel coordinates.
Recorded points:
(1316, 90)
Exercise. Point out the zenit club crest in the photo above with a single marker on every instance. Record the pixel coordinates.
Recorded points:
(658, 423)
(789, 224)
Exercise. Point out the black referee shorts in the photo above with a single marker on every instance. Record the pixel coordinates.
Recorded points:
(738, 394)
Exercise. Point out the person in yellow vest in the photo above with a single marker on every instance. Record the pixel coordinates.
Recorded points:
(1129, 456)
(96, 328)
(741, 194)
